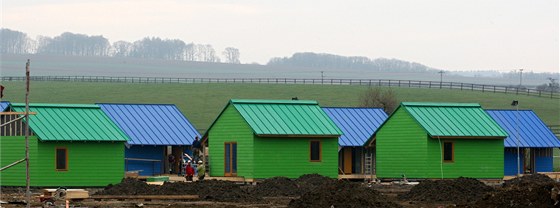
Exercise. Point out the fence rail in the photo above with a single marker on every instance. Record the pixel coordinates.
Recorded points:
(366, 82)
(555, 129)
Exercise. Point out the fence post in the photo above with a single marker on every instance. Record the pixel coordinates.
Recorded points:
(430, 84)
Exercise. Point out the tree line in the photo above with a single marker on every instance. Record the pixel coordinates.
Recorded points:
(330, 61)
(72, 44)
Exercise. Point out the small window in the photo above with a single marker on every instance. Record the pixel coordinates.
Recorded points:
(315, 151)
(61, 158)
(448, 152)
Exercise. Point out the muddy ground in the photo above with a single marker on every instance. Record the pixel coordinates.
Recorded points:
(318, 191)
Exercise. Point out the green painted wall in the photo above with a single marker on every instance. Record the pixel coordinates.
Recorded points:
(289, 157)
(231, 127)
(89, 163)
(403, 147)
(265, 157)
(475, 158)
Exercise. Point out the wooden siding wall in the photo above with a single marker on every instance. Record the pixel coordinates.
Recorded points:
(89, 163)
(475, 158)
(231, 127)
(289, 157)
(146, 152)
(401, 148)
(543, 159)
(510, 161)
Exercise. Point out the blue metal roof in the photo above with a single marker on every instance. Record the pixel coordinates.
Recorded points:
(4, 105)
(151, 124)
(532, 130)
(357, 124)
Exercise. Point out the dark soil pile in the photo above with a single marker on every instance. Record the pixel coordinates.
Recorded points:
(527, 191)
(277, 186)
(528, 180)
(210, 190)
(310, 182)
(458, 191)
(128, 186)
(342, 194)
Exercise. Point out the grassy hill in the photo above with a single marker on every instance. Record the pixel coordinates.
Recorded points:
(201, 103)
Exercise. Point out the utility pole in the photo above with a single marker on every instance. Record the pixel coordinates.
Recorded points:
(440, 78)
(520, 77)
(27, 191)
(516, 104)
(322, 76)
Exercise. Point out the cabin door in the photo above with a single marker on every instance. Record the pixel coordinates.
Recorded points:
(347, 160)
(230, 159)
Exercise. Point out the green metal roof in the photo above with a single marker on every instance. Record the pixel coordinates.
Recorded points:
(286, 117)
(71, 122)
(454, 119)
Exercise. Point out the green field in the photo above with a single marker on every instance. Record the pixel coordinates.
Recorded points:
(201, 103)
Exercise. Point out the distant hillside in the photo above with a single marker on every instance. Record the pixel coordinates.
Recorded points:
(57, 65)
(330, 61)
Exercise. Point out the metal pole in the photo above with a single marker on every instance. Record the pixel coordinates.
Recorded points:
(520, 77)
(517, 140)
(27, 191)
(440, 78)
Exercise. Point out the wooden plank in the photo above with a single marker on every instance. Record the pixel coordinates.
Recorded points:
(171, 197)
(70, 193)
(16, 113)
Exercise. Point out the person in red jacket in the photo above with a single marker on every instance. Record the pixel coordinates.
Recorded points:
(189, 170)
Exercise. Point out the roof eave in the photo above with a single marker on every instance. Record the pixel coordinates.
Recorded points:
(299, 135)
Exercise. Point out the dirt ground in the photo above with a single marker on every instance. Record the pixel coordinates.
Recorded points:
(318, 191)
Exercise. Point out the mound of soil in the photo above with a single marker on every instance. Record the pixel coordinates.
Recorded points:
(458, 191)
(342, 194)
(528, 180)
(128, 186)
(310, 182)
(527, 191)
(210, 190)
(277, 186)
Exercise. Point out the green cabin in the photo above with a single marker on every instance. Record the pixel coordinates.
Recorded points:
(70, 145)
(439, 140)
(257, 139)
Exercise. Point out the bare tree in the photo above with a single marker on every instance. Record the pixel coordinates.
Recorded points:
(15, 42)
(122, 49)
(231, 55)
(379, 98)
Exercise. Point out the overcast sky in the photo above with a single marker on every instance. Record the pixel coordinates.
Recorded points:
(448, 34)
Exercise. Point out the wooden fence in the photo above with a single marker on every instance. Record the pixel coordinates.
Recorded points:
(365, 82)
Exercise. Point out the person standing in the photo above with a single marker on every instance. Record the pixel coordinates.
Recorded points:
(171, 160)
(201, 170)
(189, 170)
(197, 147)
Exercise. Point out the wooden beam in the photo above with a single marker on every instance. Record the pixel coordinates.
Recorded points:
(10, 165)
(16, 113)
